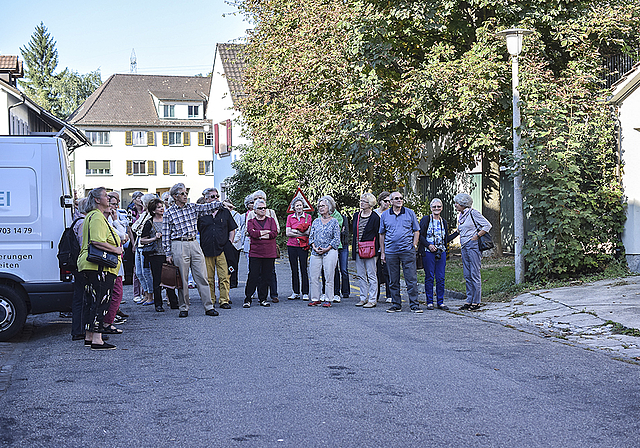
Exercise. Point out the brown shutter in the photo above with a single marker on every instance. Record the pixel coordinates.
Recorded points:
(179, 167)
(186, 138)
(151, 138)
(165, 138)
(151, 167)
(229, 135)
(200, 138)
(165, 167)
(201, 167)
(128, 138)
(129, 167)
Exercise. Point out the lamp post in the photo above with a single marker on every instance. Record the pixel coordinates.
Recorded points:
(514, 47)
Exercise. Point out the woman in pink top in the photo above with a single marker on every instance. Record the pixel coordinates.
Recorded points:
(263, 231)
(298, 225)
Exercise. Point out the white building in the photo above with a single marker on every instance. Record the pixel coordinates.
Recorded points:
(226, 89)
(147, 134)
(626, 98)
(20, 115)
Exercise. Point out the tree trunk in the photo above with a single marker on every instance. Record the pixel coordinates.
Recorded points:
(491, 200)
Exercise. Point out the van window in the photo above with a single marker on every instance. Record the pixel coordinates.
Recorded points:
(18, 195)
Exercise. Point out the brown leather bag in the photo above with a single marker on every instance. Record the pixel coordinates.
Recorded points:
(170, 277)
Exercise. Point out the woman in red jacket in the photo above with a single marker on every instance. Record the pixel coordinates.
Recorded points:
(263, 231)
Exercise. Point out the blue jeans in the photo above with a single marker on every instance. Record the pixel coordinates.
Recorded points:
(433, 267)
(471, 270)
(408, 262)
(144, 274)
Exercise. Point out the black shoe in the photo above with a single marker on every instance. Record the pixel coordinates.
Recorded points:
(466, 306)
(430, 306)
(394, 309)
(211, 312)
(77, 337)
(183, 314)
(159, 309)
(474, 307)
(443, 307)
(103, 346)
(225, 306)
(265, 303)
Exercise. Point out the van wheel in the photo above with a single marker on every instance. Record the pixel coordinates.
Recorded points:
(13, 312)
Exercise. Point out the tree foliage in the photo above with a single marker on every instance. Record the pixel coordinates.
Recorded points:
(60, 93)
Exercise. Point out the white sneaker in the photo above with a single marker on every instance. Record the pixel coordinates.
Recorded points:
(138, 299)
(294, 296)
(389, 300)
(336, 299)
(305, 297)
(324, 298)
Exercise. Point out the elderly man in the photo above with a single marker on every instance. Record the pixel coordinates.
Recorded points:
(216, 230)
(399, 235)
(180, 246)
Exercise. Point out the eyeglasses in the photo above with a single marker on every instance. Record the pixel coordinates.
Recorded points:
(261, 208)
(436, 206)
(214, 196)
(399, 198)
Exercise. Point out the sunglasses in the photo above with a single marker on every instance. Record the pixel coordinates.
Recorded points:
(214, 196)
(386, 200)
(399, 198)
(436, 206)
(261, 208)
(184, 193)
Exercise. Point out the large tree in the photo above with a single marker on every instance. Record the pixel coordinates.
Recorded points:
(60, 93)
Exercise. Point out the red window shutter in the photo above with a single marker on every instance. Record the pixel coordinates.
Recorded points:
(216, 138)
(228, 135)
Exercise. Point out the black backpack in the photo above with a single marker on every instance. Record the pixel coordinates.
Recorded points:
(69, 249)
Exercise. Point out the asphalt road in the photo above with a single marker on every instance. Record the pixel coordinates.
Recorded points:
(294, 376)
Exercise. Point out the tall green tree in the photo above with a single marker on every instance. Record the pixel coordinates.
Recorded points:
(60, 93)
(41, 60)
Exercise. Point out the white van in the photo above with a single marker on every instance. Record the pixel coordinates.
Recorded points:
(35, 207)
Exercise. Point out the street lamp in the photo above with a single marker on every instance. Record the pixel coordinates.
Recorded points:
(514, 47)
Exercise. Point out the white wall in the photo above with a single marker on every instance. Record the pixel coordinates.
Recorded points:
(118, 153)
(630, 118)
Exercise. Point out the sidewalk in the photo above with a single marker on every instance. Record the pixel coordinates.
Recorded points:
(577, 314)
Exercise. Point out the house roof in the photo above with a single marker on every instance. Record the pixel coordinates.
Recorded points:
(231, 57)
(10, 64)
(126, 100)
(628, 83)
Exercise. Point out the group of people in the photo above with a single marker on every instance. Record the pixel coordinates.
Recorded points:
(205, 240)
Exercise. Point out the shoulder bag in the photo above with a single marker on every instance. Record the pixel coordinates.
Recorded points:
(485, 242)
(366, 249)
(98, 256)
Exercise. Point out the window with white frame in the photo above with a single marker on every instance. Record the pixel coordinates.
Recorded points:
(175, 137)
(98, 137)
(169, 111)
(194, 111)
(139, 138)
(98, 167)
(139, 167)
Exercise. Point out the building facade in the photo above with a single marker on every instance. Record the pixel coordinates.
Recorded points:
(147, 133)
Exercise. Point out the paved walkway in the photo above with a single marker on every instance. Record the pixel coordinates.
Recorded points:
(580, 315)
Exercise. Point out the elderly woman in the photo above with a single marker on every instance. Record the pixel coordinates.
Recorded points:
(434, 237)
(273, 285)
(471, 226)
(263, 231)
(142, 268)
(153, 252)
(172, 298)
(98, 280)
(324, 239)
(365, 230)
(298, 227)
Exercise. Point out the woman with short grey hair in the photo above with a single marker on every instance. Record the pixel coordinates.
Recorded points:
(324, 239)
(366, 224)
(471, 226)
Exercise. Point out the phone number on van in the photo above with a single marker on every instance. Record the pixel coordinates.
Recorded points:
(9, 230)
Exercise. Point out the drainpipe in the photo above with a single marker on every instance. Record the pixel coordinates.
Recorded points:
(11, 107)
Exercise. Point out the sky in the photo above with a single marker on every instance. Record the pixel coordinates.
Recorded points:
(169, 37)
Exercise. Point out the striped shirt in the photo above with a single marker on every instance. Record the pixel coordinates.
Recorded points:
(181, 222)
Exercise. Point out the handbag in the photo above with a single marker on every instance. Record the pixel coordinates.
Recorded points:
(485, 242)
(98, 256)
(170, 277)
(366, 249)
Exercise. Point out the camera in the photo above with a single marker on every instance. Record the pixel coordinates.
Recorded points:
(438, 254)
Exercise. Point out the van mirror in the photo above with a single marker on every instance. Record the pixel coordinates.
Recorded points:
(66, 201)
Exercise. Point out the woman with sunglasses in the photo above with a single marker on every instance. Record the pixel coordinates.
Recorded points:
(262, 255)
(434, 237)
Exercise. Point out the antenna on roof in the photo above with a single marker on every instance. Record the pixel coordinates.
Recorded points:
(134, 62)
